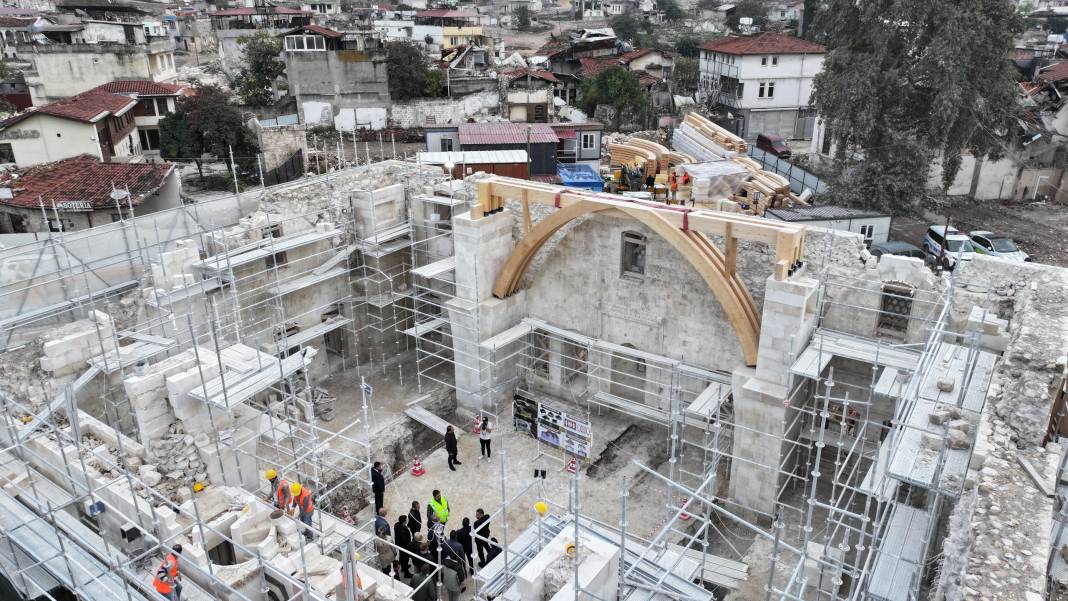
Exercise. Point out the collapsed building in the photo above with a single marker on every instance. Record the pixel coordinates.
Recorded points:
(706, 404)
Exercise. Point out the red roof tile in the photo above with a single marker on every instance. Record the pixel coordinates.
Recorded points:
(141, 87)
(84, 178)
(326, 32)
(506, 133)
(626, 57)
(593, 66)
(536, 73)
(1055, 72)
(88, 106)
(765, 43)
(12, 22)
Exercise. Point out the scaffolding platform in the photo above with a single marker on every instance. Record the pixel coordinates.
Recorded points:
(719, 571)
(306, 335)
(31, 315)
(167, 298)
(912, 462)
(130, 354)
(891, 384)
(952, 362)
(876, 484)
(387, 234)
(437, 269)
(897, 560)
(825, 345)
(261, 250)
(423, 328)
(447, 201)
(242, 386)
(512, 334)
(707, 404)
(303, 282)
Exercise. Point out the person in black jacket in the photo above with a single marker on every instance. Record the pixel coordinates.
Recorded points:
(415, 518)
(465, 540)
(450, 448)
(378, 485)
(481, 527)
(402, 537)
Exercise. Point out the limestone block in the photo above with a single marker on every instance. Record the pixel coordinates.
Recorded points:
(939, 416)
(946, 384)
(930, 441)
(957, 439)
(960, 424)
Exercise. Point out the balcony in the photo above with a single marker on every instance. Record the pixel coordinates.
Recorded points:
(730, 100)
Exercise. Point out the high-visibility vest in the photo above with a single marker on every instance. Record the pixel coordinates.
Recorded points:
(304, 502)
(166, 575)
(281, 494)
(441, 508)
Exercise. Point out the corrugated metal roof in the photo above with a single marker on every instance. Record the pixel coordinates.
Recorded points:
(506, 133)
(821, 213)
(474, 157)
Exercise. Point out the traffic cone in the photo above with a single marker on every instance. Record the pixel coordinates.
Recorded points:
(684, 516)
(417, 467)
(572, 466)
(477, 429)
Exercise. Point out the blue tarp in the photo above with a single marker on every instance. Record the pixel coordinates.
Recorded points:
(580, 176)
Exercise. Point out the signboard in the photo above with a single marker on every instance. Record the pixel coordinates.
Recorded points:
(572, 433)
(525, 415)
(74, 205)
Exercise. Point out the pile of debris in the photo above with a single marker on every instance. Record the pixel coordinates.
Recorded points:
(178, 464)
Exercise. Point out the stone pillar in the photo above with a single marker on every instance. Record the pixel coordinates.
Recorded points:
(759, 414)
(482, 246)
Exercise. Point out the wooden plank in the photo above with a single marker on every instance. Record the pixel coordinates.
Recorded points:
(1043, 486)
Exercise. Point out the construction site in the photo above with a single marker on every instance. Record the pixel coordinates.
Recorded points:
(691, 402)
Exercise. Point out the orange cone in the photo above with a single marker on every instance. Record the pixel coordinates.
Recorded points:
(417, 467)
(572, 466)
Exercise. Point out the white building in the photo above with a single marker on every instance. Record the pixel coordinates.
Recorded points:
(764, 82)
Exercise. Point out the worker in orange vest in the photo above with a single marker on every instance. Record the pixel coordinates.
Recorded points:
(674, 188)
(279, 494)
(167, 581)
(301, 506)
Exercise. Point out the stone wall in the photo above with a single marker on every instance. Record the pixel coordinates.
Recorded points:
(444, 111)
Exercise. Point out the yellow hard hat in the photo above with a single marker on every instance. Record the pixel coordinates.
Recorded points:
(295, 488)
(199, 486)
(271, 474)
(541, 507)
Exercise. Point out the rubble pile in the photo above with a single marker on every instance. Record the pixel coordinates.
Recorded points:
(178, 465)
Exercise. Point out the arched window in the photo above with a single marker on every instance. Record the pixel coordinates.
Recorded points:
(632, 256)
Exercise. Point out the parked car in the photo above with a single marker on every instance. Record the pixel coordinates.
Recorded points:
(989, 243)
(949, 244)
(893, 247)
(773, 144)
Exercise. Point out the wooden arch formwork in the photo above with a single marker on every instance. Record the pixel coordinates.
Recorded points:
(686, 230)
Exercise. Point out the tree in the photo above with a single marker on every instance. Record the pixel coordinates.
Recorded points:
(756, 10)
(686, 75)
(261, 66)
(407, 70)
(205, 125)
(896, 88)
(625, 26)
(688, 46)
(615, 87)
(434, 85)
(671, 9)
(522, 17)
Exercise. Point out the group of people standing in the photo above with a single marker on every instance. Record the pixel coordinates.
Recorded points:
(413, 554)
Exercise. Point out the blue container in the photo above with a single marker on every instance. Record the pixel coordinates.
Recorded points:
(580, 176)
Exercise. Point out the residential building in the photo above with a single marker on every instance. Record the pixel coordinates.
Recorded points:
(62, 70)
(655, 62)
(155, 100)
(764, 81)
(564, 54)
(15, 31)
(97, 123)
(407, 30)
(527, 95)
(579, 142)
(458, 27)
(784, 11)
(337, 75)
(82, 192)
(539, 138)
(874, 226)
(232, 24)
(190, 33)
(656, 87)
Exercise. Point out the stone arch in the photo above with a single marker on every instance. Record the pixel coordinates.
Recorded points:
(694, 246)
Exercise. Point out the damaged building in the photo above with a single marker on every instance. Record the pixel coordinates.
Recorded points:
(688, 403)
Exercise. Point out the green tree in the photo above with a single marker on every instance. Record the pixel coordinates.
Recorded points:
(671, 9)
(407, 70)
(434, 84)
(615, 87)
(688, 46)
(625, 26)
(756, 10)
(686, 75)
(896, 89)
(522, 17)
(207, 125)
(261, 66)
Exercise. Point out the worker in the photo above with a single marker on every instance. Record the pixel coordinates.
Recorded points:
(279, 495)
(686, 184)
(482, 531)
(168, 582)
(378, 484)
(301, 506)
(674, 188)
(438, 506)
(451, 449)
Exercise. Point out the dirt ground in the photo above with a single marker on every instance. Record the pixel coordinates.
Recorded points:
(1040, 229)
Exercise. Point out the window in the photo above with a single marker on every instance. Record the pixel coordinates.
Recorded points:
(741, 90)
(632, 259)
(589, 140)
(446, 145)
(7, 154)
(774, 61)
(149, 106)
(301, 43)
(868, 231)
(55, 225)
(766, 90)
(763, 61)
(149, 139)
(162, 107)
